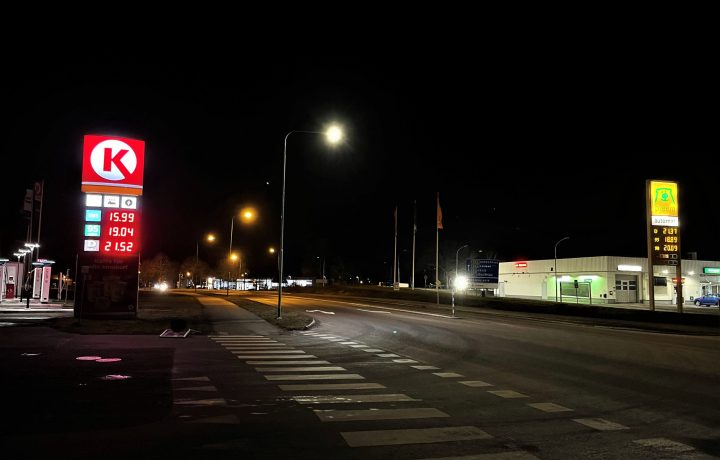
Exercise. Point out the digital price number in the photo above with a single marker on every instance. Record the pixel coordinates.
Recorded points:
(665, 245)
(120, 232)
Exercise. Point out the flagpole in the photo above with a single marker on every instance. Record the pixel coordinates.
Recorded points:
(437, 252)
(42, 195)
(395, 254)
(412, 277)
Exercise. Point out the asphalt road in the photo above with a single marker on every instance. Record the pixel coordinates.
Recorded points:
(368, 381)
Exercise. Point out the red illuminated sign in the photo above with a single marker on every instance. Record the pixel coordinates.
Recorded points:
(113, 165)
(520, 264)
(120, 232)
(675, 280)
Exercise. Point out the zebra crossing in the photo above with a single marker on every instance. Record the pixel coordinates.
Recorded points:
(318, 384)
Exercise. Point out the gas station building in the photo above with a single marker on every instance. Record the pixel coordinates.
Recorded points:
(605, 280)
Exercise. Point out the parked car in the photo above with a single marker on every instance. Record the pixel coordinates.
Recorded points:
(708, 299)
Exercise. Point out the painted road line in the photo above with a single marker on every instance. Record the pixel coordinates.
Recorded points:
(201, 402)
(664, 445)
(301, 369)
(448, 375)
(404, 361)
(413, 436)
(316, 377)
(425, 368)
(508, 394)
(359, 346)
(246, 341)
(336, 340)
(515, 455)
(388, 355)
(215, 337)
(600, 424)
(287, 352)
(373, 350)
(348, 399)
(348, 343)
(204, 388)
(475, 383)
(331, 386)
(274, 356)
(378, 414)
(375, 311)
(284, 347)
(303, 362)
(550, 407)
(194, 379)
(321, 311)
(222, 419)
(245, 345)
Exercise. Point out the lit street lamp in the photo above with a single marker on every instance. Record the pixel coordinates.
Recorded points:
(455, 281)
(333, 135)
(209, 238)
(247, 216)
(556, 277)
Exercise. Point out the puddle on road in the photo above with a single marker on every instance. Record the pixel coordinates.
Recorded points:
(88, 358)
(108, 360)
(115, 377)
(30, 354)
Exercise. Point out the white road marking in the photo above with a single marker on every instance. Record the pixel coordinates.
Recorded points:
(550, 407)
(448, 375)
(475, 383)
(404, 361)
(269, 346)
(345, 399)
(413, 436)
(516, 455)
(382, 308)
(336, 340)
(287, 352)
(375, 311)
(379, 414)
(316, 377)
(358, 346)
(424, 368)
(373, 350)
(227, 342)
(388, 355)
(204, 388)
(274, 356)
(331, 386)
(216, 337)
(664, 444)
(600, 424)
(300, 369)
(348, 343)
(320, 311)
(201, 402)
(508, 394)
(303, 362)
(222, 419)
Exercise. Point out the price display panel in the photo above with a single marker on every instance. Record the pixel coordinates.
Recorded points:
(665, 245)
(120, 232)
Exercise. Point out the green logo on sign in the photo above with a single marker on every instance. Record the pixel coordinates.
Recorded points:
(665, 195)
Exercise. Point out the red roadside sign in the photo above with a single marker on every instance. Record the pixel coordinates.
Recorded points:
(113, 165)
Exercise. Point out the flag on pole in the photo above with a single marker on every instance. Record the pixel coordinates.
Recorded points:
(439, 213)
(38, 189)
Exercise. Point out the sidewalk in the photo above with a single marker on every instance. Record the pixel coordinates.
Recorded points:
(35, 305)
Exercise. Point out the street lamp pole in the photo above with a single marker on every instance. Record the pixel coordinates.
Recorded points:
(556, 277)
(456, 275)
(334, 135)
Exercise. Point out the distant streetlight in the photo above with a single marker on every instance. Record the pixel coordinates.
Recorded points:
(556, 277)
(233, 257)
(271, 250)
(455, 281)
(209, 238)
(333, 135)
(248, 215)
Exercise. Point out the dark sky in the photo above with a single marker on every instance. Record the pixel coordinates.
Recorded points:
(524, 149)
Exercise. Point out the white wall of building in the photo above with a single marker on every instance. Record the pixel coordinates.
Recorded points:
(537, 279)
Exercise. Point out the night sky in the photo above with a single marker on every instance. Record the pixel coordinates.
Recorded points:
(524, 150)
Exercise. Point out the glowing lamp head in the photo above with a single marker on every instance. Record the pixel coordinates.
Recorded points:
(234, 257)
(334, 134)
(211, 238)
(248, 215)
(271, 250)
(461, 282)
